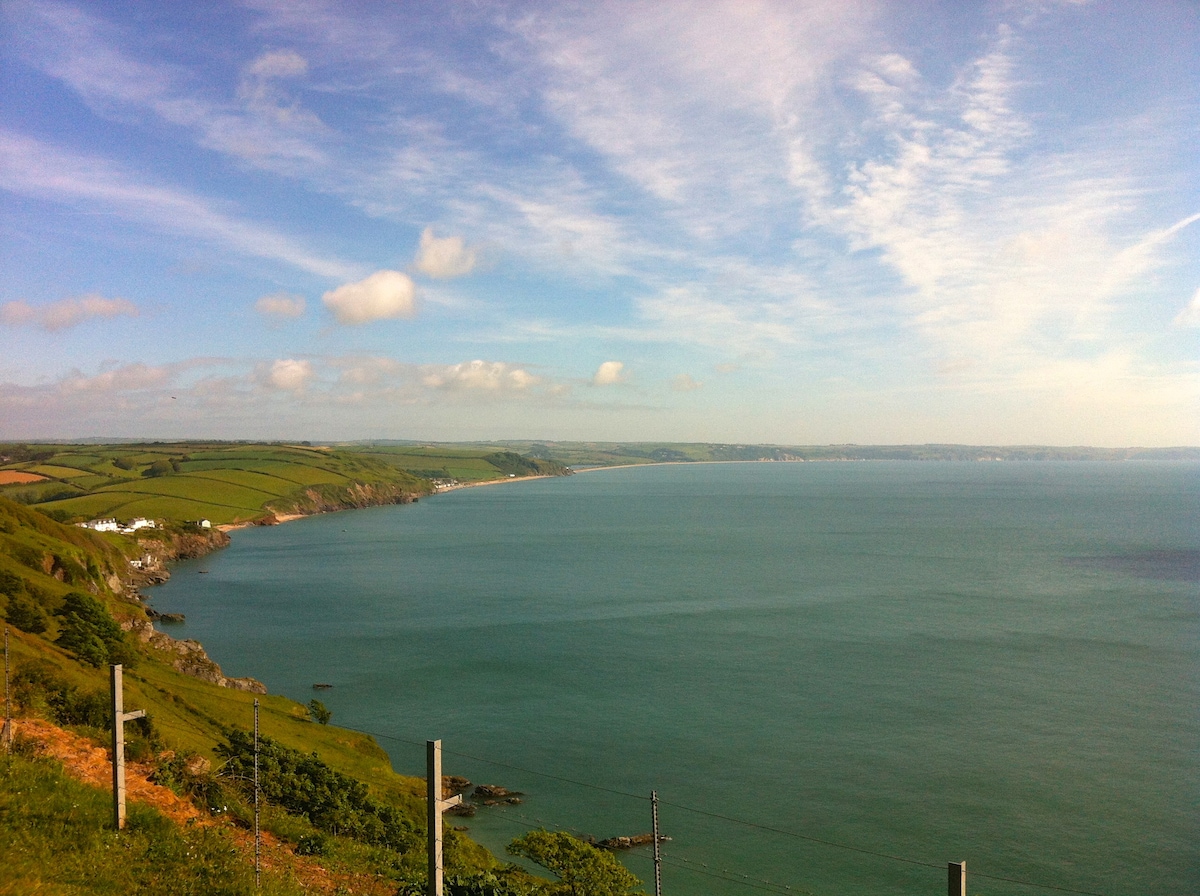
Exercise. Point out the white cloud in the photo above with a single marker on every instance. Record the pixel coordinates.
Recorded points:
(290, 375)
(281, 304)
(385, 295)
(127, 378)
(686, 383)
(443, 258)
(609, 373)
(64, 313)
(486, 376)
(1190, 316)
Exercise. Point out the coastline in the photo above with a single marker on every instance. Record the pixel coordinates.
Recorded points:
(280, 518)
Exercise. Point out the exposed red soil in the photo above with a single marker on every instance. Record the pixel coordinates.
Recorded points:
(91, 764)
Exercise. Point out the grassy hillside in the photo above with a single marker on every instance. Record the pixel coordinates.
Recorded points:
(335, 811)
(234, 483)
(52, 579)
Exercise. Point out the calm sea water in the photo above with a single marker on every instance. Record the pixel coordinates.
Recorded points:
(932, 661)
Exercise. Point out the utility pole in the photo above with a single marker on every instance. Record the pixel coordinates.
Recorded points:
(436, 806)
(957, 879)
(120, 717)
(257, 829)
(657, 849)
(6, 734)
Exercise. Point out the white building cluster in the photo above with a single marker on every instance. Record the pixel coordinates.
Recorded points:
(111, 525)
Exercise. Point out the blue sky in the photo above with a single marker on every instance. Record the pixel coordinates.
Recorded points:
(793, 222)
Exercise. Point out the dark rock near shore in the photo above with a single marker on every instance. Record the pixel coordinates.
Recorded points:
(630, 842)
(494, 792)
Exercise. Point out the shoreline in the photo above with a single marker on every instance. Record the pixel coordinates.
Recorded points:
(280, 518)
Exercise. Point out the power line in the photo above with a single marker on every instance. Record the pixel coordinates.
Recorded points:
(515, 768)
(738, 821)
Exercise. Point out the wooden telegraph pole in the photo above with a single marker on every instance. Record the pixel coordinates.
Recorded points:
(657, 845)
(6, 734)
(120, 717)
(436, 806)
(957, 879)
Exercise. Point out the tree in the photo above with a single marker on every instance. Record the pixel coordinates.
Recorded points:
(91, 633)
(582, 869)
(320, 714)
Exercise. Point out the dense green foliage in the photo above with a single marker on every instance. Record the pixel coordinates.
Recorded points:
(90, 632)
(319, 712)
(20, 607)
(306, 786)
(39, 685)
(582, 869)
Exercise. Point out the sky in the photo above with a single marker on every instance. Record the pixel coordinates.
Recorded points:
(752, 222)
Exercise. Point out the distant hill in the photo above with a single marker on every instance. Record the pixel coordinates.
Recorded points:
(228, 483)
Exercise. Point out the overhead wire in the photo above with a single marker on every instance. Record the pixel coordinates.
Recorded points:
(728, 818)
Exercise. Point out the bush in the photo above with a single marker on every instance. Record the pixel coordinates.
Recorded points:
(39, 684)
(304, 785)
(91, 633)
(25, 615)
(319, 713)
(581, 867)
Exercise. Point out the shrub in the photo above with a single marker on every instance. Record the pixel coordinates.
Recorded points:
(319, 713)
(39, 683)
(25, 614)
(90, 632)
(304, 785)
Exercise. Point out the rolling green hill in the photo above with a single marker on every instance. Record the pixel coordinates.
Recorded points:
(331, 792)
(229, 483)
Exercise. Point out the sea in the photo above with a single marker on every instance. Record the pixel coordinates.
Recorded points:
(836, 678)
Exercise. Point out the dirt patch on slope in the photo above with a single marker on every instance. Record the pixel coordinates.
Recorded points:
(91, 764)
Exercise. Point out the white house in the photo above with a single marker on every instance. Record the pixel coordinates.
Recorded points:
(102, 525)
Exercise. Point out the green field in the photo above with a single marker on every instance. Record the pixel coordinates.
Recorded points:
(228, 483)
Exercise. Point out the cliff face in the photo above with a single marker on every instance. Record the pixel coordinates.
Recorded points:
(189, 657)
(166, 546)
(326, 498)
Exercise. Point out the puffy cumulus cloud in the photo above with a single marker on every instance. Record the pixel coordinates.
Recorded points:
(443, 258)
(289, 374)
(281, 304)
(685, 383)
(382, 296)
(128, 378)
(1190, 316)
(609, 373)
(484, 376)
(65, 313)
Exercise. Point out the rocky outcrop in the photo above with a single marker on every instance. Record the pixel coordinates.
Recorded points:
(190, 657)
(630, 842)
(327, 498)
(166, 546)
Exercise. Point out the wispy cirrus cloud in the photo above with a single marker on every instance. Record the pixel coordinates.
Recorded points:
(65, 313)
(34, 168)
(259, 123)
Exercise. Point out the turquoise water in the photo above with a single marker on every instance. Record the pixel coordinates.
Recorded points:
(932, 661)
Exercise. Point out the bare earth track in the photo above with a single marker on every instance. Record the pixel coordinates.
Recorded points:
(91, 764)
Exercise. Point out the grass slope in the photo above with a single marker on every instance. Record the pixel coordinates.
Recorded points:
(235, 483)
(43, 816)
